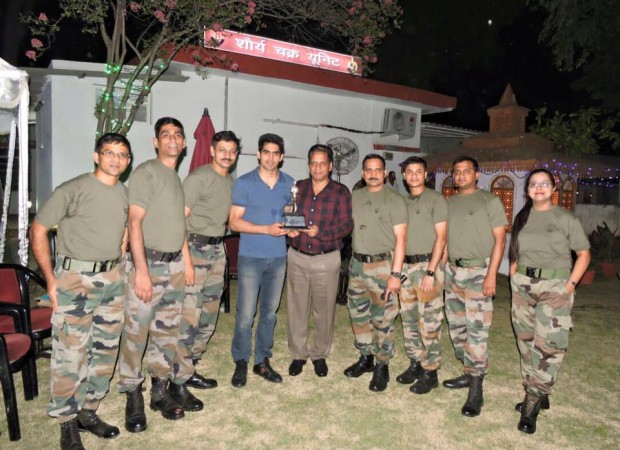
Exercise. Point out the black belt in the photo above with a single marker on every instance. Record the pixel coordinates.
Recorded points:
(78, 265)
(205, 240)
(313, 254)
(414, 259)
(156, 255)
(372, 258)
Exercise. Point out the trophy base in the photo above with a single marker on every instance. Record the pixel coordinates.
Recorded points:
(295, 222)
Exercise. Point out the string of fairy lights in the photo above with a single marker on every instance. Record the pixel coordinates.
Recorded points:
(117, 114)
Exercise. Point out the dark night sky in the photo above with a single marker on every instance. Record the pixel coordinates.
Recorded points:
(446, 46)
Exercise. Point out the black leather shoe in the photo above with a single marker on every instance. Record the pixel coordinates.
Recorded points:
(70, 436)
(411, 373)
(320, 367)
(184, 397)
(475, 398)
(240, 377)
(544, 403)
(425, 383)
(266, 371)
(458, 383)
(529, 413)
(161, 400)
(199, 382)
(380, 377)
(365, 364)
(88, 420)
(296, 367)
(135, 418)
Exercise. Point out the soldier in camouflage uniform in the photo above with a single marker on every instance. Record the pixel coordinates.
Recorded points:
(379, 239)
(476, 239)
(208, 197)
(86, 288)
(421, 297)
(155, 280)
(543, 289)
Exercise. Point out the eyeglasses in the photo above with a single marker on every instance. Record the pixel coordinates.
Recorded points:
(111, 154)
(542, 184)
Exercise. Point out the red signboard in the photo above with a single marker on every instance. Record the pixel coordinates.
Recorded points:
(282, 51)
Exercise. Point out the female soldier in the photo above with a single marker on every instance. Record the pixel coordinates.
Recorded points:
(543, 287)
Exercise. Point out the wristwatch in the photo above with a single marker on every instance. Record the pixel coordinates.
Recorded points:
(395, 274)
(430, 273)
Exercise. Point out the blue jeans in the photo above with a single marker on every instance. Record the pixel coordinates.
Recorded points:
(262, 279)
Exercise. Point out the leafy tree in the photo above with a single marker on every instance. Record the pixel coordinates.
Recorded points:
(149, 33)
(584, 35)
(577, 134)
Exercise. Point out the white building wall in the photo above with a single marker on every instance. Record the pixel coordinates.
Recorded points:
(251, 105)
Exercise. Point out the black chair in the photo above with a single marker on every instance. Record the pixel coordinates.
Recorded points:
(14, 288)
(231, 246)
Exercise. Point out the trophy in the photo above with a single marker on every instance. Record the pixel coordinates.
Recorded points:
(292, 219)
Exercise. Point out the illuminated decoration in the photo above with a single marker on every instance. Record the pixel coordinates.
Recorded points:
(261, 47)
(447, 188)
(555, 197)
(504, 188)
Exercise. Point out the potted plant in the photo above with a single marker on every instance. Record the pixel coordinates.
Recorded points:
(588, 276)
(603, 242)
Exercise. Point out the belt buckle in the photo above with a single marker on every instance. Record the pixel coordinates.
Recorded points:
(532, 272)
(66, 263)
(459, 262)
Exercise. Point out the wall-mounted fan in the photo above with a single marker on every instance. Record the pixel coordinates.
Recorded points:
(346, 155)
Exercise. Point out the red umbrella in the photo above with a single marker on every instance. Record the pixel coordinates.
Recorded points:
(203, 135)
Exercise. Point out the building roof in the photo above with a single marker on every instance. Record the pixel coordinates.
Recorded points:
(429, 102)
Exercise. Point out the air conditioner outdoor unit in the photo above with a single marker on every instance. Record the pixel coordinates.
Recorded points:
(396, 121)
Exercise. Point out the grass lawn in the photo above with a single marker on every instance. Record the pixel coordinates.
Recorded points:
(337, 412)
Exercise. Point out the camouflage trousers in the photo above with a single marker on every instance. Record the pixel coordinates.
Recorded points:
(201, 307)
(421, 314)
(469, 314)
(152, 326)
(372, 317)
(86, 328)
(541, 318)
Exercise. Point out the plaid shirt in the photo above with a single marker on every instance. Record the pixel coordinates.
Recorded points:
(330, 210)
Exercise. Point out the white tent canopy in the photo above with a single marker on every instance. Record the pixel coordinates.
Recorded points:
(14, 100)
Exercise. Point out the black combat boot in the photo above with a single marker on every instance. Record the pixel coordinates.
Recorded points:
(199, 382)
(529, 413)
(544, 403)
(184, 397)
(365, 364)
(459, 382)
(380, 377)
(411, 373)
(161, 400)
(70, 436)
(425, 383)
(90, 421)
(135, 418)
(475, 399)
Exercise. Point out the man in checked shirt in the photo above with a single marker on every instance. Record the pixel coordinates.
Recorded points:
(313, 263)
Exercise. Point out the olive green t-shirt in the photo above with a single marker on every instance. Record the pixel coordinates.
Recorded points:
(375, 214)
(209, 196)
(425, 210)
(91, 218)
(471, 219)
(548, 237)
(157, 189)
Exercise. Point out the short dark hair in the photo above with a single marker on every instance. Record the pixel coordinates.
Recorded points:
(168, 121)
(413, 160)
(373, 156)
(321, 148)
(464, 158)
(226, 136)
(112, 138)
(270, 138)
